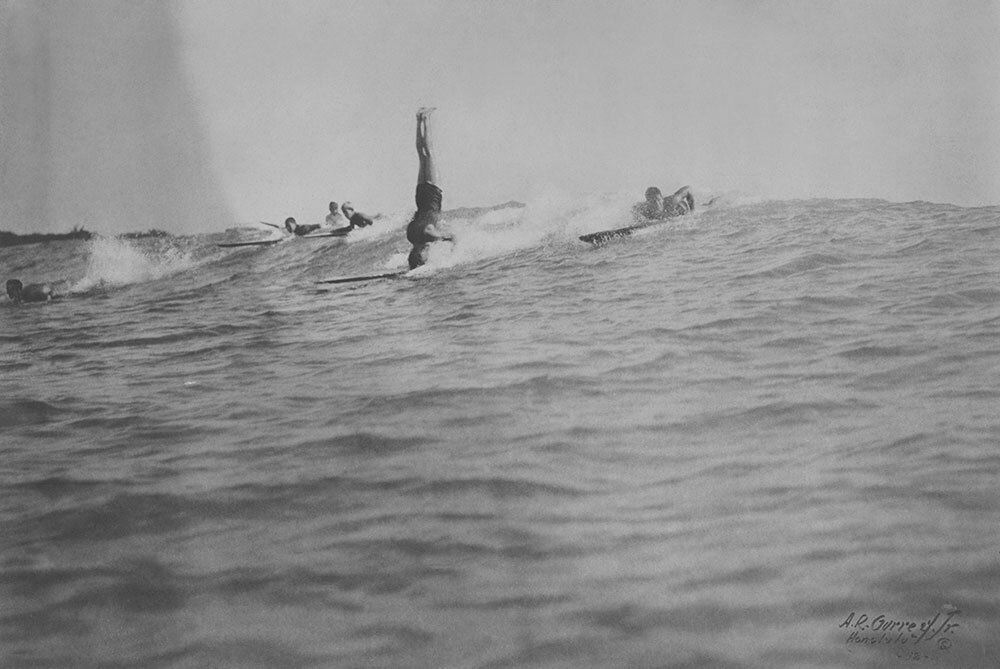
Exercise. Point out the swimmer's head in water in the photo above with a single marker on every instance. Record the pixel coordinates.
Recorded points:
(290, 224)
(653, 193)
(333, 207)
(14, 288)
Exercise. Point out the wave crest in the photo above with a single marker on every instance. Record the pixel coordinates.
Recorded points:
(118, 262)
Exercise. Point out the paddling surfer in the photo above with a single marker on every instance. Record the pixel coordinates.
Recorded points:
(300, 230)
(357, 219)
(33, 292)
(657, 208)
(425, 228)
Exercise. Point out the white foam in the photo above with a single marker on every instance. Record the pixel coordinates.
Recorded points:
(505, 231)
(551, 216)
(118, 262)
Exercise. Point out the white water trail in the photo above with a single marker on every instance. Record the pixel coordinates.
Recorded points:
(117, 262)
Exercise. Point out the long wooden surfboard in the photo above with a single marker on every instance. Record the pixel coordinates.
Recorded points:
(342, 232)
(261, 242)
(366, 277)
(267, 242)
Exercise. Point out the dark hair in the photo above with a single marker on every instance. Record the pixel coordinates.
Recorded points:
(289, 222)
(653, 191)
(14, 288)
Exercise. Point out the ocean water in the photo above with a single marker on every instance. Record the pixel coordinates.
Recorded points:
(732, 440)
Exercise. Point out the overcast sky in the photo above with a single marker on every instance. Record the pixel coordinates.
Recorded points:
(307, 101)
(313, 100)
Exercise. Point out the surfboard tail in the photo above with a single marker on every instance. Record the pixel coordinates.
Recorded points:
(605, 235)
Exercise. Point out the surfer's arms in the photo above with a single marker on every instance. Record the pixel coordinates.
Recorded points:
(357, 219)
(436, 233)
(681, 202)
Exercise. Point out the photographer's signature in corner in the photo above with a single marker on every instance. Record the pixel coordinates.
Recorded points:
(912, 638)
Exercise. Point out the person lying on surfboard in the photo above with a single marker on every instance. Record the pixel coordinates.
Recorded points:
(357, 219)
(657, 208)
(33, 292)
(425, 228)
(300, 230)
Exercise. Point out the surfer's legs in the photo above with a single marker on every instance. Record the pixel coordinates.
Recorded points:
(428, 194)
(427, 173)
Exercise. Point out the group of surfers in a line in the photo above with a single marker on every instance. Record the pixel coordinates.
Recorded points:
(425, 227)
(335, 222)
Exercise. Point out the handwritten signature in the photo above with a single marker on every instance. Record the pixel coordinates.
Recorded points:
(881, 629)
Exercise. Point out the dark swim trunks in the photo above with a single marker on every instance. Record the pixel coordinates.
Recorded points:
(428, 212)
(428, 196)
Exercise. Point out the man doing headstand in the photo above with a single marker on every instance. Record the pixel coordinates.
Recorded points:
(425, 228)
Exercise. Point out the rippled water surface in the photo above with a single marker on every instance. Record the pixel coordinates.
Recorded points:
(706, 445)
